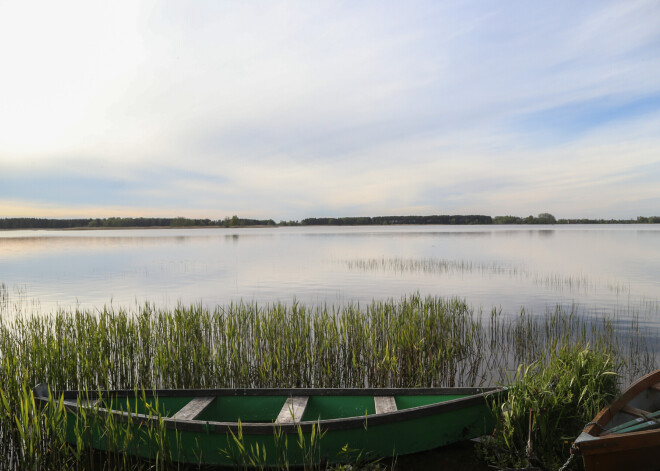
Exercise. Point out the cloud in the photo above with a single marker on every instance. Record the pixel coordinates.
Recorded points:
(288, 110)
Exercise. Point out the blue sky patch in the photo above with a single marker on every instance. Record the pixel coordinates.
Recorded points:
(570, 121)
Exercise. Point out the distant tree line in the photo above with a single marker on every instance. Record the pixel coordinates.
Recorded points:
(116, 222)
(547, 218)
(235, 221)
(639, 220)
(392, 220)
(42, 223)
(543, 218)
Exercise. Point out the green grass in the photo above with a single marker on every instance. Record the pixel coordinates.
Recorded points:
(547, 405)
(399, 343)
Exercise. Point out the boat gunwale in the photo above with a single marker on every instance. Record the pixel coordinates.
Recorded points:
(475, 396)
(613, 442)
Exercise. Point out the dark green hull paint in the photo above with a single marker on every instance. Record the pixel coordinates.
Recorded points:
(426, 419)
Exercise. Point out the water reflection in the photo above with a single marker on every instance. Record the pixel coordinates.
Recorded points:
(546, 233)
(601, 268)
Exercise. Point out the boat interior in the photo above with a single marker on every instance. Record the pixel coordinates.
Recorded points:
(265, 409)
(644, 404)
(642, 412)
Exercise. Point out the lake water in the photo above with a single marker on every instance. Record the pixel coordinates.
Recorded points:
(598, 269)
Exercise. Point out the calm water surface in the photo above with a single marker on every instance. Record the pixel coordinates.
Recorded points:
(610, 269)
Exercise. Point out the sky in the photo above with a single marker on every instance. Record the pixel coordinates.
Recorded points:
(294, 109)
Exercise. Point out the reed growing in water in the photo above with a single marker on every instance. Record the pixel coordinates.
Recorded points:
(405, 343)
(547, 405)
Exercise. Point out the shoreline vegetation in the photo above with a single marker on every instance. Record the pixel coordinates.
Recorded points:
(235, 221)
(562, 365)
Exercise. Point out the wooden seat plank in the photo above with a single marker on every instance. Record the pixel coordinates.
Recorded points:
(656, 387)
(193, 408)
(384, 404)
(292, 410)
(635, 411)
(88, 404)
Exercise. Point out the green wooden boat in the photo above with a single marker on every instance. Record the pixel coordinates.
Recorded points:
(274, 425)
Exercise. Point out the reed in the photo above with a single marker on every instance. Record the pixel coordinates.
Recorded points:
(253, 457)
(556, 282)
(547, 405)
(413, 341)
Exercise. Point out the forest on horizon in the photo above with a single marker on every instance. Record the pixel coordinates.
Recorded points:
(235, 221)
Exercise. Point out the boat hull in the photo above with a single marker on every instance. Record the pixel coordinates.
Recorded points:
(328, 430)
(640, 452)
(623, 435)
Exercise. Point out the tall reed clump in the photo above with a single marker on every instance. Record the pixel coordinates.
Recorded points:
(547, 405)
